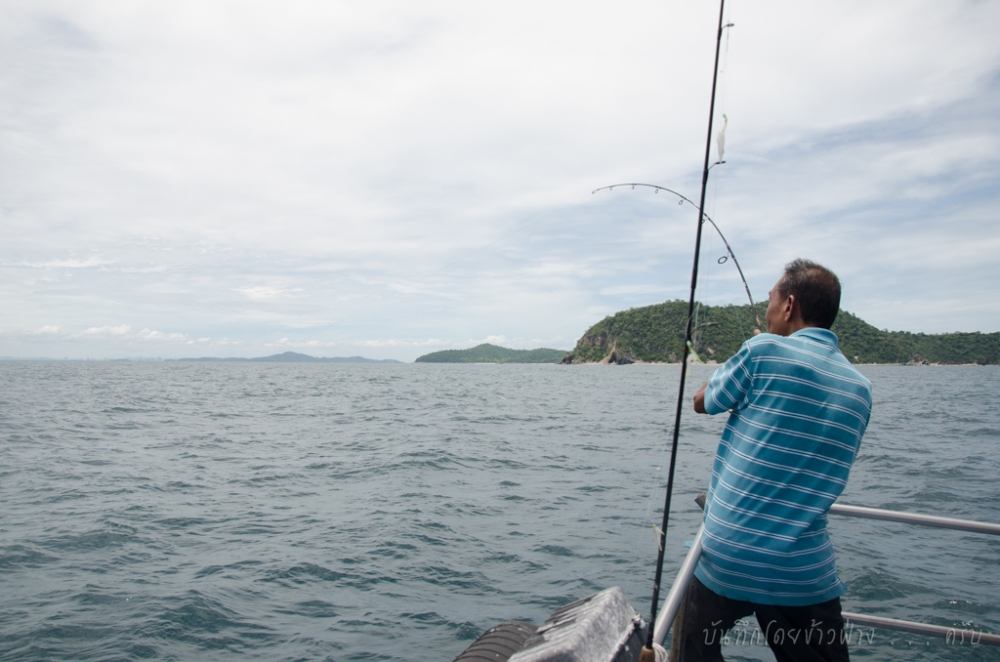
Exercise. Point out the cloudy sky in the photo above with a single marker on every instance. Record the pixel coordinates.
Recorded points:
(388, 178)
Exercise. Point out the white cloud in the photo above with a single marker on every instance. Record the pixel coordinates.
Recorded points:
(631, 290)
(154, 335)
(68, 263)
(267, 293)
(118, 331)
(48, 330)
(125, 332)
(380, 343)
(287, 342)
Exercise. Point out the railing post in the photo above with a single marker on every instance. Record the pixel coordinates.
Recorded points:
(678, 590)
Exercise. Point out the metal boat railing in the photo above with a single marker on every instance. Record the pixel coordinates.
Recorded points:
(678, 591)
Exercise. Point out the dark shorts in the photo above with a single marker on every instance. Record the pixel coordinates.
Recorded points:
(812, 633)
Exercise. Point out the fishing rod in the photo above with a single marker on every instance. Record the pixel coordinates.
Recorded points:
(729, 249)
(648, 654)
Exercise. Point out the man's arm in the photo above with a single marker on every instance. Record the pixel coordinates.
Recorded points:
(699, 399)
(729, 385)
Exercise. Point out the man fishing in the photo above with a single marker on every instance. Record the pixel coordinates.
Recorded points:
(798, 410)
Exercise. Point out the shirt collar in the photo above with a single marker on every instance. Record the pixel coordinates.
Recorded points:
(817, 334)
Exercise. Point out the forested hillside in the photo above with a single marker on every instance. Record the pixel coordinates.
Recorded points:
(487, 353)
(656, 333)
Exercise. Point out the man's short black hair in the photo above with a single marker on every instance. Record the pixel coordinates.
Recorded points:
(816, 288)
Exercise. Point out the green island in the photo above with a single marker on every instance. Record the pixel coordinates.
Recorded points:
(487, 353)
(656, 334)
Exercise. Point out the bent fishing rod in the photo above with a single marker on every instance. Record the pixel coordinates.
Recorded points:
(647, 654)
(729, 249)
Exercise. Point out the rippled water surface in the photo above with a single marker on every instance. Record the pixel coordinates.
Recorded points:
(394, 512)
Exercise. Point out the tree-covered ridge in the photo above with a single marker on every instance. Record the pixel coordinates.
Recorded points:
(487, 353)
(656, 333)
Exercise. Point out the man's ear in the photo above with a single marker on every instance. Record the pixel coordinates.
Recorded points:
(790, 303)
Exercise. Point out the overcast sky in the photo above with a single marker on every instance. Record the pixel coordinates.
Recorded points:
(388, 178)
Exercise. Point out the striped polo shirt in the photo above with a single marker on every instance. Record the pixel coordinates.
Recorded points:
(798, 410)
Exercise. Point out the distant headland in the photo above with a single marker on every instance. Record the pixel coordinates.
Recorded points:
(487, 353)
(655, 334)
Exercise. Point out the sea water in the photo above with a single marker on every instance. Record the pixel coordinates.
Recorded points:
(196, 511)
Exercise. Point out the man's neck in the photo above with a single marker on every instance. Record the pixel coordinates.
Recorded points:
(797, 325)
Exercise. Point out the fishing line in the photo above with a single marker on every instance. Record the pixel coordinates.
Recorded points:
(683, 199)
(648, 654)
(719, 184)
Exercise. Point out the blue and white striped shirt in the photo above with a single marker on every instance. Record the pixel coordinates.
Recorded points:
(798, 412)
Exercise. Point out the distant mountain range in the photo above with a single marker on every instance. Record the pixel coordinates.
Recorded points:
(487, 353)
(294, 357)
